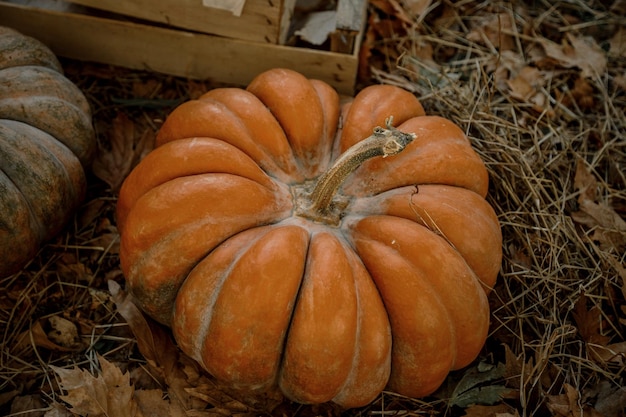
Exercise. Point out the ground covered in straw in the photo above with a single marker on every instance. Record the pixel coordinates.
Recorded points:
(540, 89)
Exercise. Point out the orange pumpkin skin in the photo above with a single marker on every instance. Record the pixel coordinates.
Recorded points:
(46, 138)
(394, 295)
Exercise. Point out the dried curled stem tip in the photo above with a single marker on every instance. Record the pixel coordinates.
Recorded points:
(396, 140)
(385, 141)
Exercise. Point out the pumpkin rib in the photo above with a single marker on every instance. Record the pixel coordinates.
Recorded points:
(192, 311)
(19, 50)
(197, 118)
(457, 287)
(44, 113)
(58, 176)
(243, 343)
(302, 120)
(371, 365)
(461, 216)
(260, 123)
(371, 107)
(18, 239)
(442, 152)
(208, 213)
(182, 158)
(422, 336)
(321, 340)
(33, 82)
(198, 294)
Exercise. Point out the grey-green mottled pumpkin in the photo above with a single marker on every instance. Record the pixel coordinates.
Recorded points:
(46, 140)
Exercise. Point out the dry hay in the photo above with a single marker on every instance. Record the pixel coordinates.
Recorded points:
(548, 119)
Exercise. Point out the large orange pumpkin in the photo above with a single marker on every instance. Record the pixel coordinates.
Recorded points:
(46, 138)
(284, 248)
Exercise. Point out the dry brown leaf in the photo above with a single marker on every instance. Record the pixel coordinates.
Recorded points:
(620, 81)
(582, 93)
(152, 404)
(617, 43)
(109, 394)
(64, 333)
(58, 410)
(6, 397)
(112, 165)
(567, 404)
(416, 8)
(580, 52)
(621, 271)
(611, 400)
(615, 352)
(504, 66)
(513, 368)
(27, 406)
(609, 229)
(589, 322)
(128, 144)
(526, 87)
(496, 30)
(585, 182)
(37, 336)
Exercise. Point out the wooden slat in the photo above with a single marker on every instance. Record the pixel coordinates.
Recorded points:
(173, 52)
(260, 20)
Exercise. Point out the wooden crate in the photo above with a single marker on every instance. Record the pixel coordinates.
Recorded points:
(74, 33)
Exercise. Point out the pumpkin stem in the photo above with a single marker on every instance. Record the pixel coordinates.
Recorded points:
(383, 142)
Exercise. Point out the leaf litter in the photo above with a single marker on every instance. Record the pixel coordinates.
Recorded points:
(541, 92)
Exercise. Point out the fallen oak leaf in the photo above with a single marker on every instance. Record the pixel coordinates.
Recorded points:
(108, 394)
